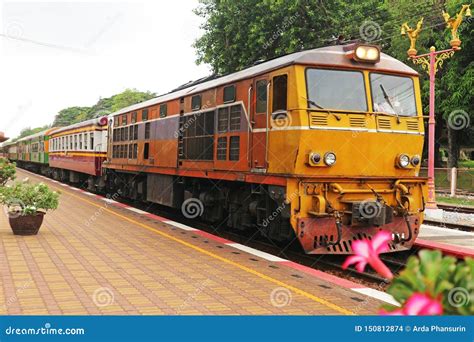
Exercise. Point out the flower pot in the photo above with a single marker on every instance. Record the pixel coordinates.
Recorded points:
(26, 224)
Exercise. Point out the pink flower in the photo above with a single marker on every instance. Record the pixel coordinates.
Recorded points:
(367, 252)
(419, 304)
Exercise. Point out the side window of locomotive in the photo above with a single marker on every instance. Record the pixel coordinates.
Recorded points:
(146, 151)
(229, 94)
(261, 106)
(147, 130)
(280, 92)
(196, 102)
(163, 110)
(222, 119)
(145, 115)
(335, 89)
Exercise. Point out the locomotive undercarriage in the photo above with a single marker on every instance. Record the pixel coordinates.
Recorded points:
(235, 205)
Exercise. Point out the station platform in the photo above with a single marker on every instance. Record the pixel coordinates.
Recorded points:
(96, 256)
(450, 241)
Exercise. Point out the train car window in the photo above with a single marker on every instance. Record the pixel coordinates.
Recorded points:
(335, 89)
(116, 121)
(222, 148)
(81, 139)
(134, 117)
(125, 134)
(234, 148)
(147, 130)
(222, 119)
(75, 142)
(196, 102)
(261, 95)
(235, 115)
(92, 141)
(229, 94)
(163, 110)
(130, 132)
(71, 146)
(146, 151)
(181, 100)
(130, 151)
(124, 119)
(280, 93)
(86, 140)
(145, 115)
(135, 132)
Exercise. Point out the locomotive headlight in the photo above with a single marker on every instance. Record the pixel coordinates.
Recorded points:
(315, 158)
(403, 160)
(367, 53)
(330, 158)
(415, 160)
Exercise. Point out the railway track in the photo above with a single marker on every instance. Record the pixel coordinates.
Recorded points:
(463, 209)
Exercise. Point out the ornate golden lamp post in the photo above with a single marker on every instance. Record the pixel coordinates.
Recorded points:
(431, 62)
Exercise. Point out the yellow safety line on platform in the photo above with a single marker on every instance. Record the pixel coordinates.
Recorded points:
(218, 257)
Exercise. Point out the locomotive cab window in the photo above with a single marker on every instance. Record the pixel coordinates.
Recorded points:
(393, 94)
(335, 89)
(196, 102)
(229, 94)
(280, 91)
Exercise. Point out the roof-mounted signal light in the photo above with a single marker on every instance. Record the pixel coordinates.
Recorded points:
(365, 53)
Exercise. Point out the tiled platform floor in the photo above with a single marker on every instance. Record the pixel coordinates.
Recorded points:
(93, 258)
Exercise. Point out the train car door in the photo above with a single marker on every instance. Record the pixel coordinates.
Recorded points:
(259, 118)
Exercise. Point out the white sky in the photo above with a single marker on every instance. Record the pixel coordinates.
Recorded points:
(94, 49)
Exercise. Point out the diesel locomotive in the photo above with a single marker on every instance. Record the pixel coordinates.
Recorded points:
(323, 145)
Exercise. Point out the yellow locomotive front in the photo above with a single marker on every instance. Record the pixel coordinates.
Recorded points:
(352, 138)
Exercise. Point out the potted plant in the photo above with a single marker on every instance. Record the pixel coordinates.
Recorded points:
(7, 171)
(27, 204)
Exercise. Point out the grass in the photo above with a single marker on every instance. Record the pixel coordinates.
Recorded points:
(466, 163)
(454, 200)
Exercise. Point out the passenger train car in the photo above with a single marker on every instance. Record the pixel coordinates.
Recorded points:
(322, 144)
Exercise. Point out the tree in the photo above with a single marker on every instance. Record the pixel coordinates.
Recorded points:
(239, 33)
(104, 106)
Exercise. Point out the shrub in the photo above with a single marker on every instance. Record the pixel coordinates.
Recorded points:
(444, 278)
(25, 198)
(7, 171)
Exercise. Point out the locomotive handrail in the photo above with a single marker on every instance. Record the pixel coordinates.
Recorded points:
(266, 124)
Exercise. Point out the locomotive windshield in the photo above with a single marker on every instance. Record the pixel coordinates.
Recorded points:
(336, 89)
(393, 94)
